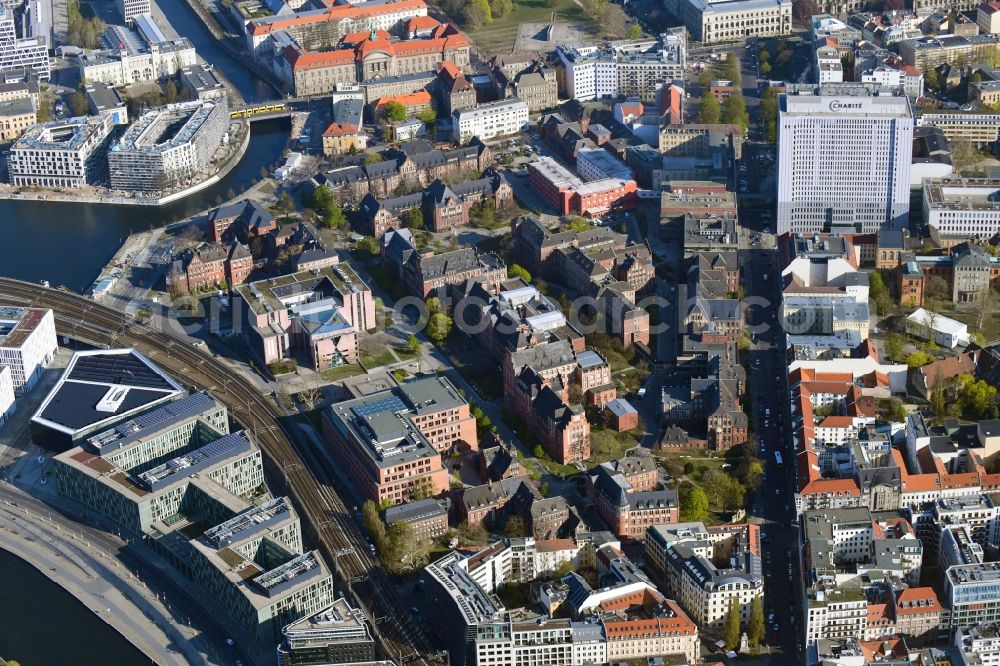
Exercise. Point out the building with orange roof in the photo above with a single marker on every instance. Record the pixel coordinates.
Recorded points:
(414, 103)
(319, 29)
(654, 628)
(369, 55)
(918, 615)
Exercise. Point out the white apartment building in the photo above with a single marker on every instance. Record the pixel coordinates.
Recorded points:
(684, 553)
(963, 206)
(129, 9)
(712, 21)
(828, 66)
(6, 394)
(22, 52)
(59, 154)
(506, 116)
(125, 67)
(28, 344)
(979, 645)
(632, 68)
(843, 161)
(166, 146)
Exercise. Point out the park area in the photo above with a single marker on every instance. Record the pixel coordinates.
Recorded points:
(504, 26)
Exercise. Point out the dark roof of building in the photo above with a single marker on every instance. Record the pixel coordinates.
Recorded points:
(103, 387)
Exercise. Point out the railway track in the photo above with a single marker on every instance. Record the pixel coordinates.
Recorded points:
(324, 514)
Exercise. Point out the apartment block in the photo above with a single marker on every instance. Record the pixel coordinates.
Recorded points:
(488, 120)
(62, 154)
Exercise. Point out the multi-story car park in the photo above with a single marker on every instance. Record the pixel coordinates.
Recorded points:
(20, 53)
(60, 154)
(962, 206)
(712, 21)
(844, 160)
(631, 68)
(27, 344)
(164, 147)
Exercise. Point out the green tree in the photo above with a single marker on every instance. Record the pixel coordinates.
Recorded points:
(563, 569)
(931, 79)
(733, 70)
(731, 632)
(769, 112)
(427, 116)
(333, 216)
(894, 346)
(413, 219)
(694, 505)
(439, 327)
(500, 8)
(577, 224)
(469, 535)
(393, 112)
(516, 527)
(78, 103)
(755, 630)
(734, 110)
(372, 158)
(879, 292)
(709, 111)
(634, 31)
(917, 359)
(413, 344)
(595, 9)
(170, 93)
(765, 68)
(406, 550)
(421, 490)
(517, 270)
(373, 524)
(978, 398)
(478, 14)
(433, 305)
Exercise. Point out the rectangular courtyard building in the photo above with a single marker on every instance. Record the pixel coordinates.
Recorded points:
(843, 161)
(166, 147)
(61, 154)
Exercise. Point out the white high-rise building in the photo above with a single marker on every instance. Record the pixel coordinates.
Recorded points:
(843, 161)
(27, 344)
(129, 9)
(22, 53)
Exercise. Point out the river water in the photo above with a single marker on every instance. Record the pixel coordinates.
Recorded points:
(67, 244)
(41, 623)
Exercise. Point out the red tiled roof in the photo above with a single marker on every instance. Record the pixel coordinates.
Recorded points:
(908, 601)
(421, 97)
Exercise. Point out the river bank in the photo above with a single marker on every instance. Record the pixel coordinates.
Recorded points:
(66, 197)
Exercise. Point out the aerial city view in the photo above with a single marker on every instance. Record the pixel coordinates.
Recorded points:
(500, 332)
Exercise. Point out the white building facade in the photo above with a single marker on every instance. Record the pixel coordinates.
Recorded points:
(508, 116)
(156, 154)
(843, 162)
(6, 394)
(963, 206)
(129, 9)
(712, 21)
(61, 153)
(22, 53)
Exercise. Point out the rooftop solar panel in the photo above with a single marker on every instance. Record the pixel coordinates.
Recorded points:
(124, 369)
(390, 404)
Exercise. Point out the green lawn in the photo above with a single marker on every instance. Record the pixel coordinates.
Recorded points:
(499, 36)
(385, 357)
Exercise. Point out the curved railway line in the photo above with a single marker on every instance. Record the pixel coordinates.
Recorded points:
(325, 516)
